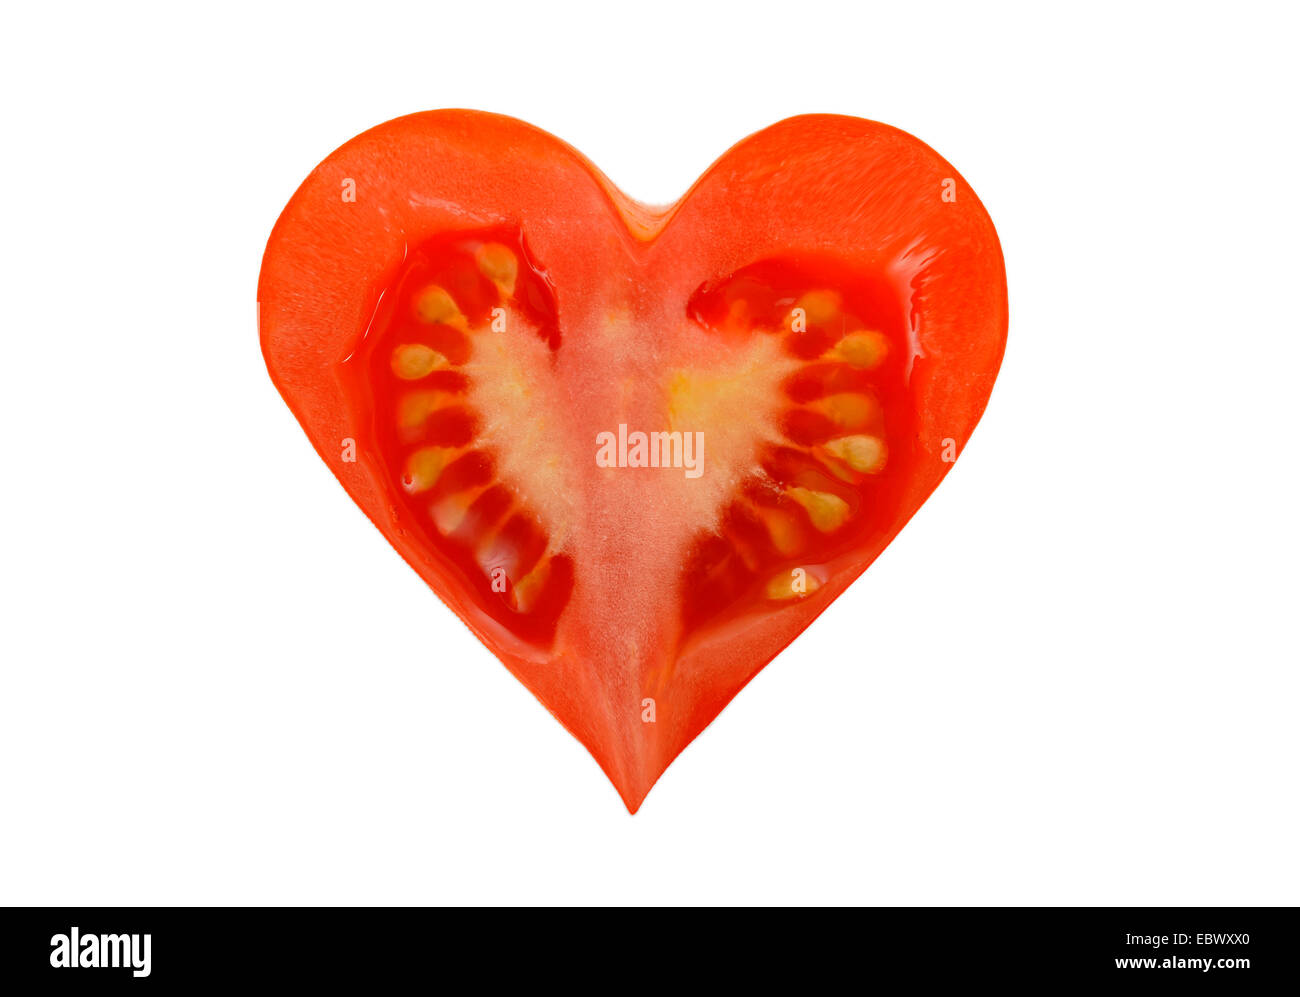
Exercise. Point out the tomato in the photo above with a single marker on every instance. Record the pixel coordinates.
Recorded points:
(637, 450)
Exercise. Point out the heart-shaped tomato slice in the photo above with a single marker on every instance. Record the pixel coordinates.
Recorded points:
(636, 450)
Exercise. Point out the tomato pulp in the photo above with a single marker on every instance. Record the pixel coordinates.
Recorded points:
(636, 450)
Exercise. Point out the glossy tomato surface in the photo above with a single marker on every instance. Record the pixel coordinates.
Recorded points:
(637, 450)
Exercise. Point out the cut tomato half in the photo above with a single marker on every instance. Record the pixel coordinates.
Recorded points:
(637, 450)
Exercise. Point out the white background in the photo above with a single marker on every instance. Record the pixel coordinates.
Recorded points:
(1072, 680)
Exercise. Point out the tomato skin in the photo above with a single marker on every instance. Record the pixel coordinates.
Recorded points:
(812, 201)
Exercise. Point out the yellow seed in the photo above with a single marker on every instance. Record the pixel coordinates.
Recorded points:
(862, 453)
(528, 588)
(828, 512)
(834, 465)
(819, 306)
(436, 305)
(847, 410)
(450, 512)
(782, 528)
(424, 467)
(412, 361)
(414, 409)
(784, 586)
(862, 349)
(499, 264)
